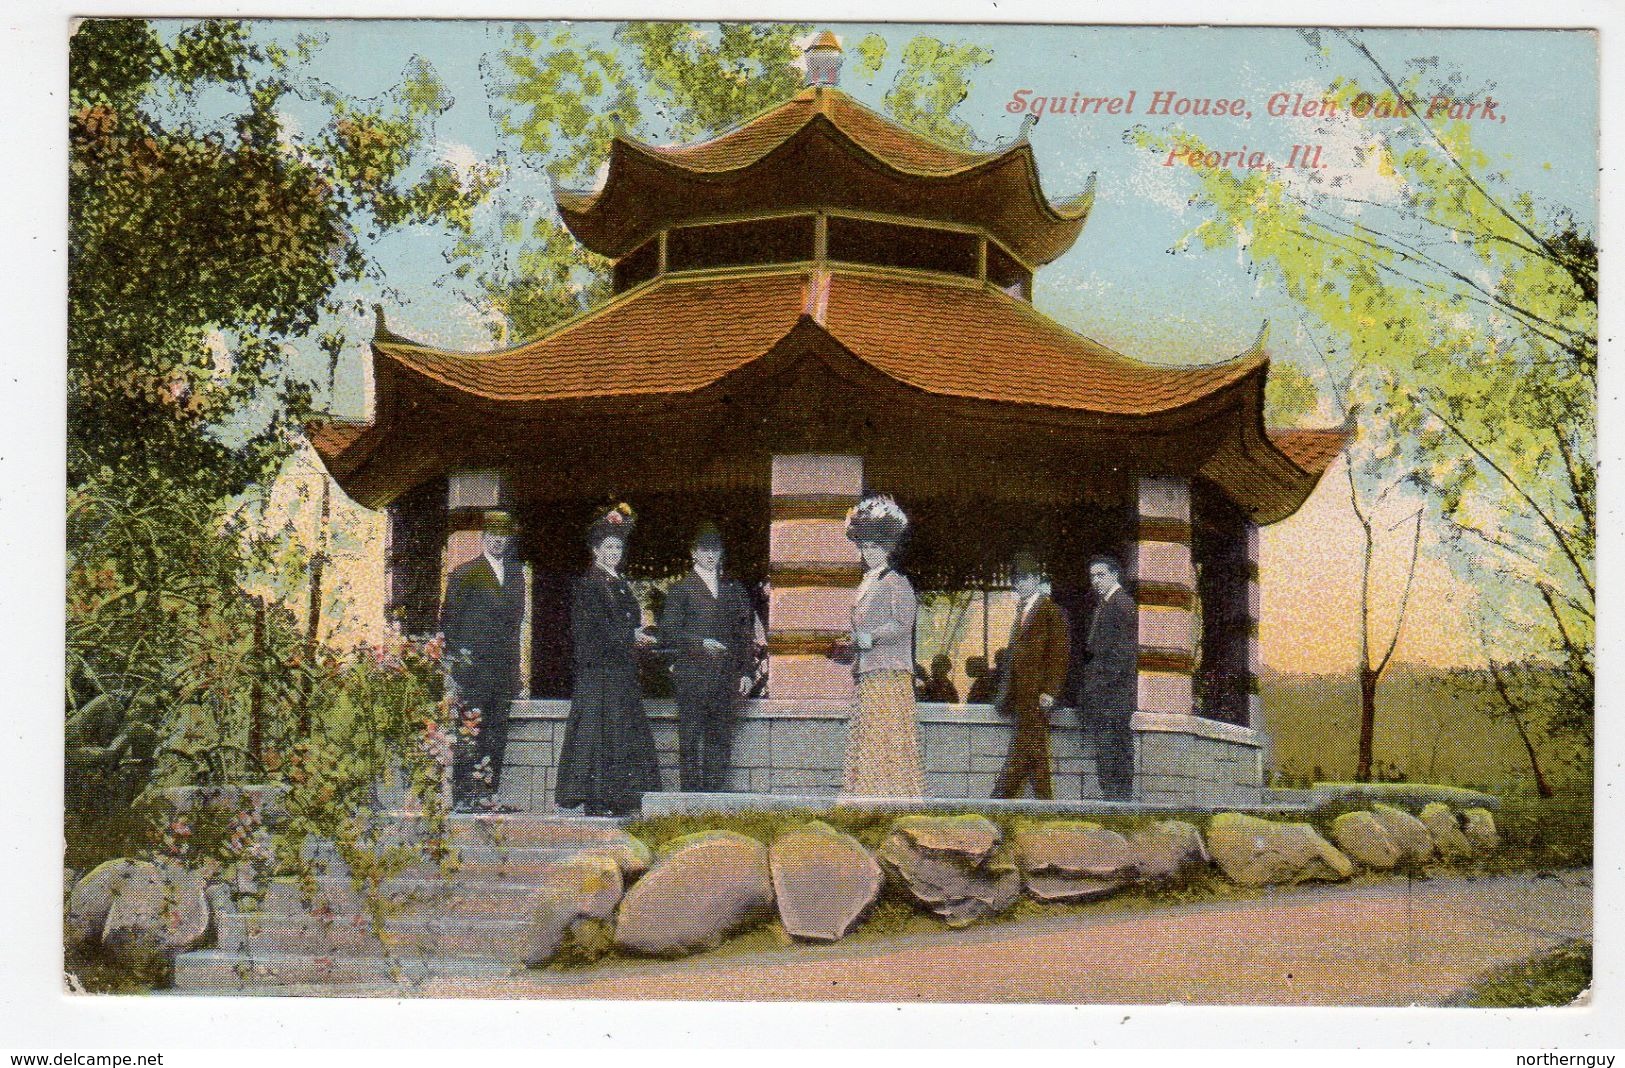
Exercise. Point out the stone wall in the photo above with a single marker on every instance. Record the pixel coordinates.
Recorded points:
(799, 748)
(1185, 758)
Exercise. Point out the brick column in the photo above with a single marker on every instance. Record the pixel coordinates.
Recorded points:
(1165, 588)
(1255, 660)
(814, 570)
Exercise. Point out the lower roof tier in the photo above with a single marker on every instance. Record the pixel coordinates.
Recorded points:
(756, 348)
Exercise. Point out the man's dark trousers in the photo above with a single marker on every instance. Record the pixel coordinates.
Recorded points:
(1114, 757)
(705, 724)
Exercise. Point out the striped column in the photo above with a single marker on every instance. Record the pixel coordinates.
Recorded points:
(1165, 583)
(1255, 660)
(814, 570)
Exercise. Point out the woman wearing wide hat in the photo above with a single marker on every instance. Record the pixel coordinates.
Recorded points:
(608, 759)
(883, 745)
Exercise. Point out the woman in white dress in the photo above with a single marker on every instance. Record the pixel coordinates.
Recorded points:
(883, 742)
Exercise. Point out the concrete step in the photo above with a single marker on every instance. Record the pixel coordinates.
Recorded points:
(454, 936)
(211, 971)
(418, 897)
(523, 829)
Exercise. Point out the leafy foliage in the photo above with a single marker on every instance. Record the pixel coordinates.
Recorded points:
(207, 238)
(1462, 313)
(198, 249)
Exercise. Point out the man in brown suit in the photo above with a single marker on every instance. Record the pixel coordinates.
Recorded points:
(1033, 675)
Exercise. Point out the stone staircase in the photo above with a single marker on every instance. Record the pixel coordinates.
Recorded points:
(473, 923)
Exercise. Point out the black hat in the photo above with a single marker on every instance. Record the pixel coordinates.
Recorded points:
(708, 537)
(496, 521)
(617, 522)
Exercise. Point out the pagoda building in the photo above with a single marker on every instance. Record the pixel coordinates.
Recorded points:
(816, 304)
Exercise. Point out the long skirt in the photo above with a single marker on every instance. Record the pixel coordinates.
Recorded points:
(608, 761)
(883, 743)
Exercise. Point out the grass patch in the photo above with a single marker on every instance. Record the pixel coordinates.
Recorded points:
(1555, 979)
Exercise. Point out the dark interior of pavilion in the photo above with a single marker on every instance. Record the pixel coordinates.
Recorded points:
(957, 555)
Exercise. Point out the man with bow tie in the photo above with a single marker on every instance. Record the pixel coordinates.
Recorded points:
(1036, 666)
(1111, 677)
(484, 609)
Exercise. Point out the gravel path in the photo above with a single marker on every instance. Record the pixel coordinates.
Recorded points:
(1388, 944)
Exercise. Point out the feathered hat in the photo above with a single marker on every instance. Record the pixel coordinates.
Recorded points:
(617, 522)
(876, 519)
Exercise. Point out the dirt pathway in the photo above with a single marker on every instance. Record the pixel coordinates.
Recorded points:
(1393, 944)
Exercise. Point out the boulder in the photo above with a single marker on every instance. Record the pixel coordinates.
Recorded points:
(1361, 836)
(93, 896)
(587, 887)
(962, 881)
(709, 886)
(1075, 848)
(1168, 850)
(1409, 834)
(1445, 829)
(824, 882)
(969, 836)
(1073, 860)
(629, 853)
(159, 914)
(1256, 852)
(1479, 827)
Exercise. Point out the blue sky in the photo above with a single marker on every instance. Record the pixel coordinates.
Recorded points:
(1119, 284)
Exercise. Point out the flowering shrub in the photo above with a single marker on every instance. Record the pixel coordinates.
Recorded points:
(381, 744)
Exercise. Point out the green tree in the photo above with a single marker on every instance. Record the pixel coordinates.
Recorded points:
(561, 99)
(1476, 303)
(207, 239)
(200, 249)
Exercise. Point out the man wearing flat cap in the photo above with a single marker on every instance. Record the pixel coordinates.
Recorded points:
(485, 606)
(707, 626)
(1033, 674)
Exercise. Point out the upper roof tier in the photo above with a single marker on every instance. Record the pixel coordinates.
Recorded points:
(823, 150)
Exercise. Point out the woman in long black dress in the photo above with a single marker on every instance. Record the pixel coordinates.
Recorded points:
(608, 759)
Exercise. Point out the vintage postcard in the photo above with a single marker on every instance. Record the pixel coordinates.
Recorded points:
(832, 512)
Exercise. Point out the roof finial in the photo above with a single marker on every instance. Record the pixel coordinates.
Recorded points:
(823, 57)
(380, 327)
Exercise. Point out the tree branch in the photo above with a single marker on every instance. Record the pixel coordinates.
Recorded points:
(1550, 523)
(1586, 281)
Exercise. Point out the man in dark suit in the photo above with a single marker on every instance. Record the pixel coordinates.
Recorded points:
(1039, 647)
(708, 627)
(1111, 677)
(484, 609)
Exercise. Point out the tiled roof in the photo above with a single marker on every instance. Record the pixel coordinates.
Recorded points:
(881, 138)
(822, 150)
(672, 337)
(983, 344)
(680, 335)
(1311, 450)
(333, 437)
